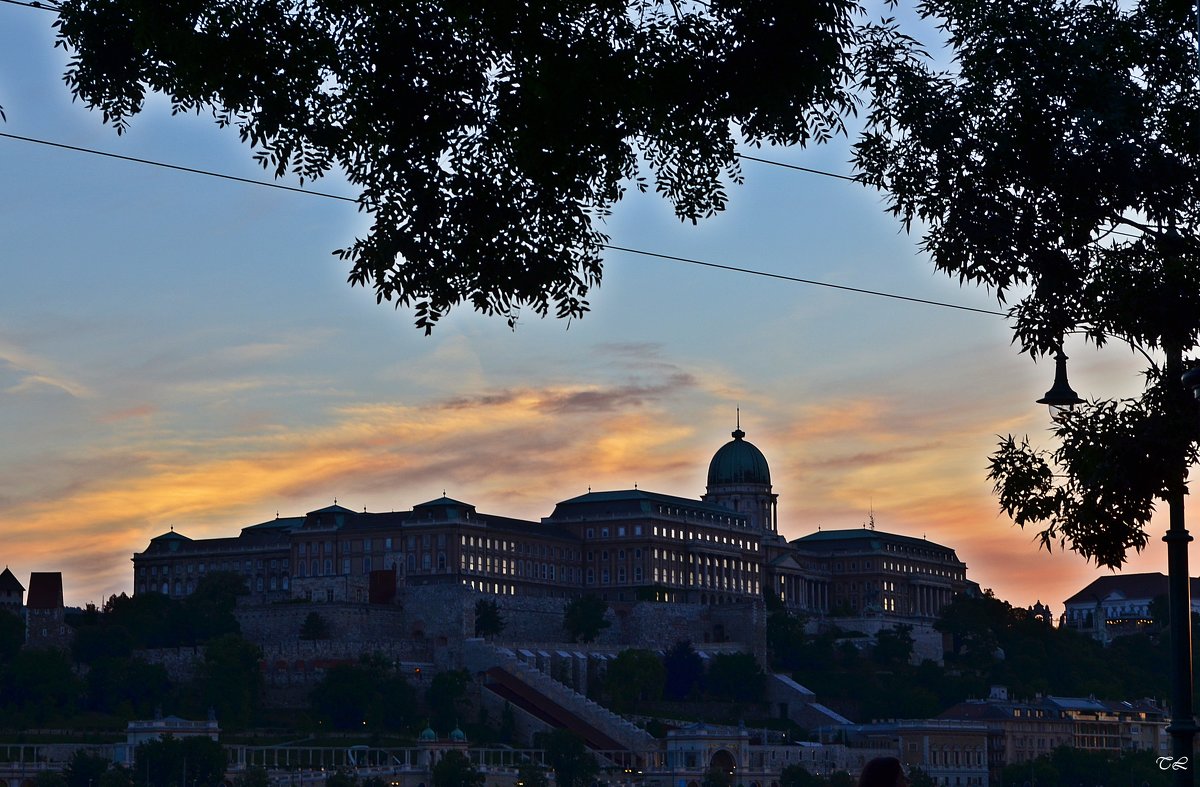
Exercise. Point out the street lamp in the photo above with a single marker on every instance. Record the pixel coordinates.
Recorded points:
(1182, 728)
(1060, 398)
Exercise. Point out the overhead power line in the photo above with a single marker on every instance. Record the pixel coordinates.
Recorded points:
(164, 165)
(799, 280)
(51, 7)
(625, 249)
(798, 168)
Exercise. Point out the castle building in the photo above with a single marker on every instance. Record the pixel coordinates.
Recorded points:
(623, 545)
(45, 622)
(877, 572)
(12, 592)
(1119, 604)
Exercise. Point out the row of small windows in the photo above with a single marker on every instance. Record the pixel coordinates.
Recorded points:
(431, 541)
(621, 531)
(702, 535)
(906, 568)
(181, 587)
(247, 566)
(695, 514)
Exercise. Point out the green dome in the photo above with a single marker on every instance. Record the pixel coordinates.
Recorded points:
(458, 735)
(427, 734)
(738, 462)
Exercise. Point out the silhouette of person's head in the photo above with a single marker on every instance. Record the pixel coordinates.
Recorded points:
(882, 772)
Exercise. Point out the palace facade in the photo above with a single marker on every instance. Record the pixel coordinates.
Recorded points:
(624, 545)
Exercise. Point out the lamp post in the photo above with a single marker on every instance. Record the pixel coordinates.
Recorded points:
(1060, 397)
(1183, 727)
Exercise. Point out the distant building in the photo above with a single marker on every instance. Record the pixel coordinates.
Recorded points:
(147, 730)
(953, 752)
(1018, 731)
(1023, 730)
(12, 593)
(1106, 726)
(1119, 604)
(885, 573)
(45, 626)
(623, 545)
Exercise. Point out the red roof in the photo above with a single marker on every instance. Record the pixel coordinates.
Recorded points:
(45, 590)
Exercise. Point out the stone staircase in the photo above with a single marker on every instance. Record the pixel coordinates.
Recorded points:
(622, 730)
(612, 726)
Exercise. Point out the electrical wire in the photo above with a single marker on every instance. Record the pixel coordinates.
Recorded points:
(799, 168)
(798, 280)
(37, 5)
(164, 165)
(627, 250)
(611, 247)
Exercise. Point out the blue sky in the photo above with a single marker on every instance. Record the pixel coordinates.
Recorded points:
(184, 351)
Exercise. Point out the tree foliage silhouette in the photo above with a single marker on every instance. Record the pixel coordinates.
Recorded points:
(1058, 163)
(486, 139)
(583, 618)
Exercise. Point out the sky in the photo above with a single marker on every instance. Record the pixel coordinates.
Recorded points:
(178, 351)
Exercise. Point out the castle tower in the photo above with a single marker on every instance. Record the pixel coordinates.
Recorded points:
(739, 479)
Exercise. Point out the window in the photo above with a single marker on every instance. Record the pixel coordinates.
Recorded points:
(604, 576)
(426, 561)
(366, 545)
(620, 531)
(637, 530)
(328, 567)
(302, 549)
(387, 543)
(328, 547)
(590, 532)
(591, 576)
(604, 532)
(345, 565)
(367, 565)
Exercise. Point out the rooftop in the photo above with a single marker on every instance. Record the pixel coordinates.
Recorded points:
(45, 590)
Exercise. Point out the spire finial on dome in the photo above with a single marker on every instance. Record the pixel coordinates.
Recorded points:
(738, 434)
